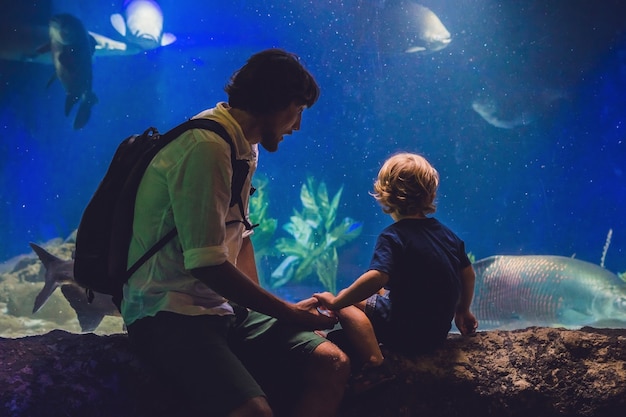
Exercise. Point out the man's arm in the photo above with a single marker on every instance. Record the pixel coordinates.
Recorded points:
(231, 283)
(246, 262)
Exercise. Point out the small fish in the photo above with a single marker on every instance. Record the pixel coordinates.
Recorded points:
(71, 49)
(141, 25)
(521, 291)
(60, 273)
(507, 108)
(406, 26)
(488, 109)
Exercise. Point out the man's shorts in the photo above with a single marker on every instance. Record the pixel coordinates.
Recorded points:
(219, 362)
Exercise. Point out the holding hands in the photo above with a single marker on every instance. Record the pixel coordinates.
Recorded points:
(307, 312)
(325, 299)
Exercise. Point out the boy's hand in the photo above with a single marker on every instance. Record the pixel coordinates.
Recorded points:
(325, 298)
(466, 323)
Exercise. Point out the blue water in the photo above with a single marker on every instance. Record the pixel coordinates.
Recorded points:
(553, 186)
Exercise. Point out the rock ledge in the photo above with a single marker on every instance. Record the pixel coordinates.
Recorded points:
(535, 371)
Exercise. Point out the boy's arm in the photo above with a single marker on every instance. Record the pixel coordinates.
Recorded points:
(366, 285)
(463, 317)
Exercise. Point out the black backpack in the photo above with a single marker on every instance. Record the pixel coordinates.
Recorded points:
(105, 229)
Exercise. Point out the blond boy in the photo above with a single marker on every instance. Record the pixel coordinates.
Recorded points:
(419, 278)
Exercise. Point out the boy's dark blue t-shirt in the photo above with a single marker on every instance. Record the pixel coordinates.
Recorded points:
(423, 259)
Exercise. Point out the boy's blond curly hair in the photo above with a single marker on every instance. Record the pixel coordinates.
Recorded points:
(407, 185)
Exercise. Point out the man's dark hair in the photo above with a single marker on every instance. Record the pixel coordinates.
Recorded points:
(269, 82)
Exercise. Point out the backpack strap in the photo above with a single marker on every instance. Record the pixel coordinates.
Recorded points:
(241, 167)
(240, 173)
(154, 249)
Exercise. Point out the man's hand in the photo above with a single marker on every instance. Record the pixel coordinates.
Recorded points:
(305, 312)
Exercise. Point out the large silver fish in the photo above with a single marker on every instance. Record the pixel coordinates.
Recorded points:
(406, 26)
(60, 273)
(71, 49)
(141, 25)
(520, 291)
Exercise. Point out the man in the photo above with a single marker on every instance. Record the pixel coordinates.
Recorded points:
(195, 310)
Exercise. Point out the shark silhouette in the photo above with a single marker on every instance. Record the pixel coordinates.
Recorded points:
(60, 273)
(71, 48)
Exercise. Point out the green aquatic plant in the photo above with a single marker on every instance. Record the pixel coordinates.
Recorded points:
(259, 203)
(315, 237)
(471, 257)
(264, 233)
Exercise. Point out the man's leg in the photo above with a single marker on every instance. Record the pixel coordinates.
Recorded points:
(254, 407)
(192, 353)
(325, 377)
(303, 373)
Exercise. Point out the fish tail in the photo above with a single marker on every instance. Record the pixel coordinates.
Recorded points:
(84, 110)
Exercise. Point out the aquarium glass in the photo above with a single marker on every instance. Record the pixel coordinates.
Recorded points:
(520, 106)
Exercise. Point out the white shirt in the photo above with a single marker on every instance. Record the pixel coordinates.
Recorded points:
(187, 185)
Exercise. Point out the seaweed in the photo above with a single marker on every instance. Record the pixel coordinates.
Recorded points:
(471, 257)
(315, 237)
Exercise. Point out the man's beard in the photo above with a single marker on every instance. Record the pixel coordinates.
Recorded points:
(269, 141)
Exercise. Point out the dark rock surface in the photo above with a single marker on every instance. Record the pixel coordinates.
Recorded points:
(532, 372)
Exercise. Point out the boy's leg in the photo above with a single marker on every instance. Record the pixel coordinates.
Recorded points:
(360, 333)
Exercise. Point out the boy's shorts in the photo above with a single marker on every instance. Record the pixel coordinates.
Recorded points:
(398, 336)
(378, 310)
(219, 362)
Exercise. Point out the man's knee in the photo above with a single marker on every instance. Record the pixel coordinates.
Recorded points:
(254, 407)
(329, 360)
